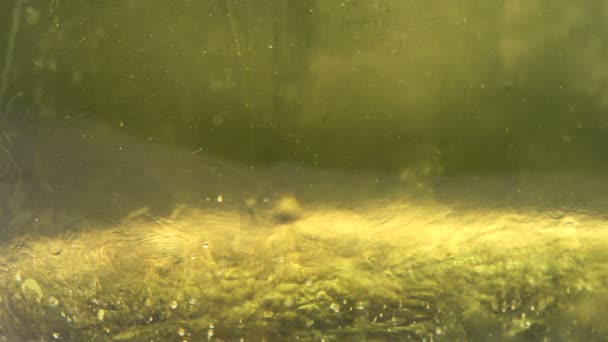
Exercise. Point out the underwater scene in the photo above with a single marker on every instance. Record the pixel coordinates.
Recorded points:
(303, 170)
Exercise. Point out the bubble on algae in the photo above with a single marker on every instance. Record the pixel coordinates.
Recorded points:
(31, 287)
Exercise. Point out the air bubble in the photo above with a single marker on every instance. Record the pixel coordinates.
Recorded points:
(52, 301)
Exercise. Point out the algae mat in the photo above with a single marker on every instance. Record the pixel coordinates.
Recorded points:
(379, 271)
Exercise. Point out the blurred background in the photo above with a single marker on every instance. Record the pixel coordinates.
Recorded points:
(458, 87)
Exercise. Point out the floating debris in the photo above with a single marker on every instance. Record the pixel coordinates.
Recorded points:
(286, 210)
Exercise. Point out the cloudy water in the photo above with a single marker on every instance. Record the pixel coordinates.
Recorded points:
(285, 170)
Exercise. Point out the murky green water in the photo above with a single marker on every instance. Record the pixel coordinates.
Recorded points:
(303, 170)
